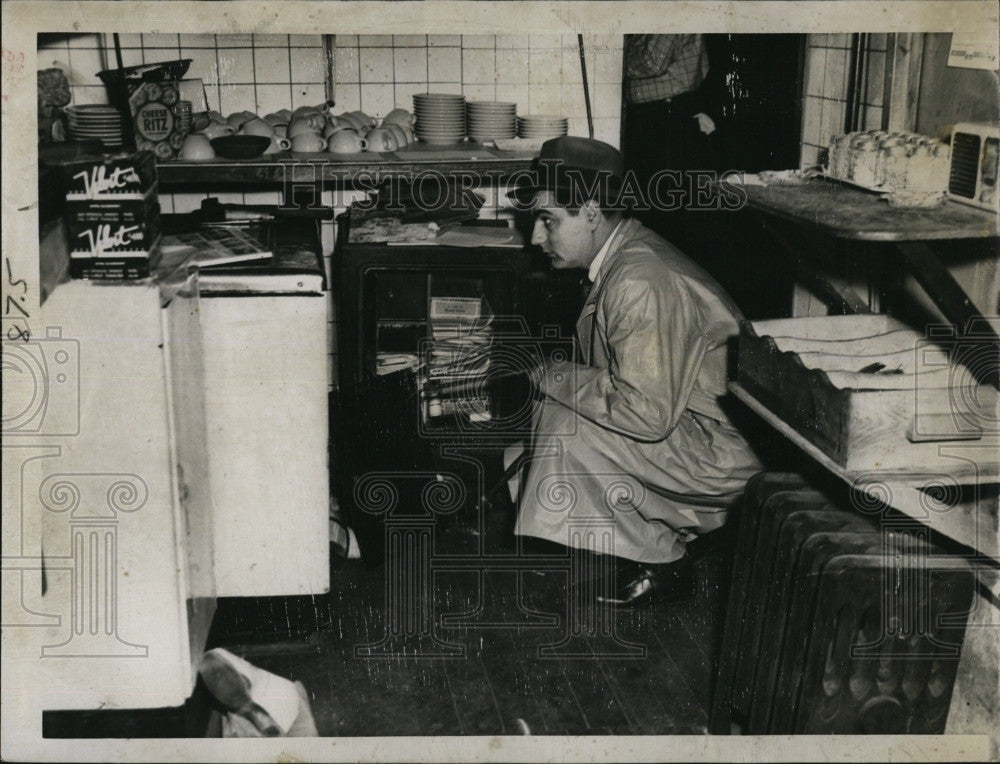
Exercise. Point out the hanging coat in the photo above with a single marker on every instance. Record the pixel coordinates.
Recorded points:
(632, 439)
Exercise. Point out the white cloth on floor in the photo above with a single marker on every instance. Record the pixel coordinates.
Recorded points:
(234, 725)
(278, 696)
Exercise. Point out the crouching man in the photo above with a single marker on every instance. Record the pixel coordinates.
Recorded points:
(631, 437)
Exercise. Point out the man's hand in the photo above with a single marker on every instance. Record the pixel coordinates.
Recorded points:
(705, 123)
(549, 373)
(537, 377)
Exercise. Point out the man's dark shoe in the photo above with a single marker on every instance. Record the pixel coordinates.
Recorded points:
(639, 583)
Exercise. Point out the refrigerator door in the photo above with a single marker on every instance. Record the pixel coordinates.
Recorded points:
(109, 616)
(250, 382)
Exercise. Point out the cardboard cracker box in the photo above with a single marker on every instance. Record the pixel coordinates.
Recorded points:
(156, 118)
(110, 238)
(111, 268)
(119, 177)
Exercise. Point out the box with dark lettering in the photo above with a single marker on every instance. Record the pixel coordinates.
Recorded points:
(123, 176)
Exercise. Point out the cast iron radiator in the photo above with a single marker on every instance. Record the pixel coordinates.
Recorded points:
(840, 620)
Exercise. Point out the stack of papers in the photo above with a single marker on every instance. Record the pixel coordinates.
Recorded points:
(460, 337)
(213, 245)
(458, 357)
(387, 363)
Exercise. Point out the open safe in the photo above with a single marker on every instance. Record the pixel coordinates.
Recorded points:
(389, 302)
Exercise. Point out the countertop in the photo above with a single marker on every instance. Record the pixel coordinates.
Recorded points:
(850, 213)
(483, 164)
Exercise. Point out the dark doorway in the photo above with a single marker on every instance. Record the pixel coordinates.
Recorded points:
(758, 82)
(752, 93)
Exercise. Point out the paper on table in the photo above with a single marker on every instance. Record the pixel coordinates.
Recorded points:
(744, 179)
(471, 236)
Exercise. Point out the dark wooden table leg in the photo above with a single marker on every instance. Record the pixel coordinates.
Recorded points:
(970, 325)
(839, 296)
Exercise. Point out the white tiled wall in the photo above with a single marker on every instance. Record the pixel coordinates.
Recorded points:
(540, 73)
(824, 102)
(80, 56)
(375, 73)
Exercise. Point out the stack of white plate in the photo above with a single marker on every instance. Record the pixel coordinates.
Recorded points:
(91, 121)
(488, 120)
(440, 118)
(540, 126)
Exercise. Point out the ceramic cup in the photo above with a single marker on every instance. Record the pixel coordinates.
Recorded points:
(200, 121)
(400, 117)
(300, 126)
(314, 122)
(349, 120)
(217, 130)
(308, 142)
(339, 127)
(197, 147)
(397, 133)
(278, 144)
(301, 110)
(363, 119)
(257, 126)
(346, 142)
(238, 118)
(381, 139)
(315, 116)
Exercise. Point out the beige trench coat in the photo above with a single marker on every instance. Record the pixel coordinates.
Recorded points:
(632, 452)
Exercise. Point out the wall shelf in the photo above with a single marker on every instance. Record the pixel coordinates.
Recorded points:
(365, 171)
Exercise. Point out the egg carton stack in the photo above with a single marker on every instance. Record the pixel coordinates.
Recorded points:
(911, 168)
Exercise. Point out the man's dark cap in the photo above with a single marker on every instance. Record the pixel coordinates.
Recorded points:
(575, 169)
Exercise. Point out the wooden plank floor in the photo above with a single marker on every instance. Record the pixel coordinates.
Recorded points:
(500, 682)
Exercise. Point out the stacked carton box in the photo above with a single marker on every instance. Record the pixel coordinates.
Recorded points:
(113, 215)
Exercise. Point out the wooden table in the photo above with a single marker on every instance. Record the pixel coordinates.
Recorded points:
(850, 213)
(817, 212)
(972, 522)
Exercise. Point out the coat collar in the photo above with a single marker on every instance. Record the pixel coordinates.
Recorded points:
(619, 236)
(615, 243)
